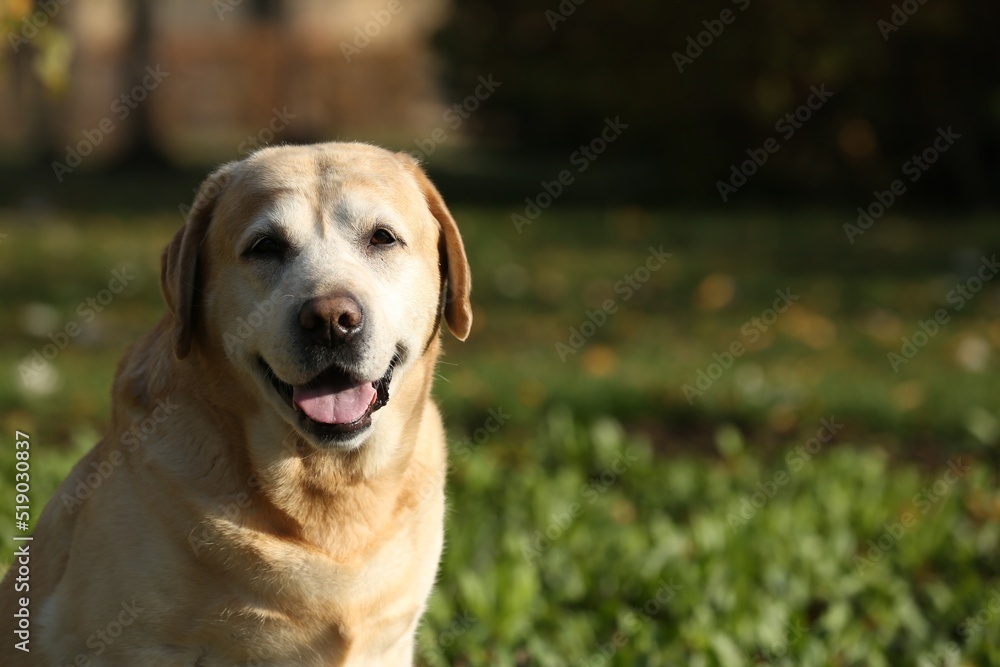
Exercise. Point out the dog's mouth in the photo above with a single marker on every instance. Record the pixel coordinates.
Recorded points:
(335, 402)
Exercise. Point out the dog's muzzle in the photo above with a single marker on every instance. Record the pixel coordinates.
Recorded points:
(335, 402)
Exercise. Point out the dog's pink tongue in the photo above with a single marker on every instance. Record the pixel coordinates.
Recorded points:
(326, 406)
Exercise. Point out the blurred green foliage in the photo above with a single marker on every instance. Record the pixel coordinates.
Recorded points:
(35, 38)
(661, 563)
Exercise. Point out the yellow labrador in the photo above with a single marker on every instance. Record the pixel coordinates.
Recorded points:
(271, 491)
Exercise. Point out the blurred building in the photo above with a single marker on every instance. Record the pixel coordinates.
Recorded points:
(200, 81)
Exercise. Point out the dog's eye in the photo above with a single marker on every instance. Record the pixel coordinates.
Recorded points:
(266, 246)
(382, 236)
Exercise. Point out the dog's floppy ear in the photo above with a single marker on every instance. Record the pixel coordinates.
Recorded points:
(457, 305)
(179, 262)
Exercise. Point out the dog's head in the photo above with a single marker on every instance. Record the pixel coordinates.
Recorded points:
(322, 273)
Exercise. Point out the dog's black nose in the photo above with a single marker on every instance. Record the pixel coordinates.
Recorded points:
(331, 319)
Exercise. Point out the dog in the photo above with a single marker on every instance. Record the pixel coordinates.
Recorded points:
(271, 490)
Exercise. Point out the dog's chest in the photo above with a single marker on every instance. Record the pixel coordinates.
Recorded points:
(295, 600)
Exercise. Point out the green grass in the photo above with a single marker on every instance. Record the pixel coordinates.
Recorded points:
(791, 583)
(786, 586)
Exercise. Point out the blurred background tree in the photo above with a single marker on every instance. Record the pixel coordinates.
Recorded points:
(563, 77)
(564, 68)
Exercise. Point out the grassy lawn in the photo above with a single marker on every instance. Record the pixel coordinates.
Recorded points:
(652, 497)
